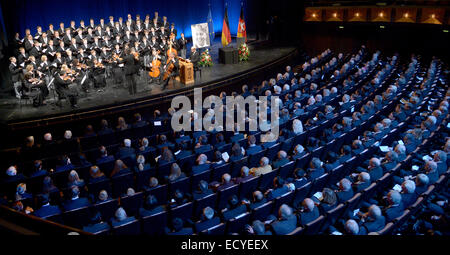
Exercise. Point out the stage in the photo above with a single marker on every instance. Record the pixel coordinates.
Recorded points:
(116, 96)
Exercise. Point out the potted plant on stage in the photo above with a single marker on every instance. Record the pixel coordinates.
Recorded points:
(205, 59)
(244, 52)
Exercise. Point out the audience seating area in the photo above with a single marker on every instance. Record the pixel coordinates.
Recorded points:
(355, 131)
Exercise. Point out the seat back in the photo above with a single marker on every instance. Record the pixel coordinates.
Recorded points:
(298, 231)
(225, 194)
(287, 170)
(195, 179)
(130, 228)
(387, 230)
(108, 208)
(121, 183)
(253, 160)
(332, 216)
(319, 183)
(352, 203)
(217, 172)
(216, 230)
(88, 143)
(246, 188)
(187, 163)
(315, 226)
(132, 203)
(160, 193)
(182, 184)
(267, 180)
(236, 167)
(143, 178)
(200, 204)
(272, 151)
(303, 161)
(236, 225)
(154, 224)
(77, 218)
(369, 192)
(399, 221)
(96, 187)
(262, 212)
(300, 194)
(183, 211)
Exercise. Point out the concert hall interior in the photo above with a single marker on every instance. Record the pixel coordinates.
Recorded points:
(224, 117)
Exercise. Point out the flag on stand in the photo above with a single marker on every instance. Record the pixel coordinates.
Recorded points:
(211, 26)
(242, 30)
(226, 35)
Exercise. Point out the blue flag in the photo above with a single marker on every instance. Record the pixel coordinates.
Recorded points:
(211, 27)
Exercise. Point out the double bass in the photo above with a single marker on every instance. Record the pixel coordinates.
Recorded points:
(169, 69)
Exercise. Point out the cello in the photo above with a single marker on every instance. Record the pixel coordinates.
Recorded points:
(155, 72)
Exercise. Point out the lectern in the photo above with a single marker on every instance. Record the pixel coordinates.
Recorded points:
(186, 71)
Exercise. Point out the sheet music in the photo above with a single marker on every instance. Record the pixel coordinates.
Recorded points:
(84, 79)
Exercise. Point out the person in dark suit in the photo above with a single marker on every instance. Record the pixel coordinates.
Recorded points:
(352, 228)
(373, 220)
(46, 209)
(121, 218)
(362, 183)
(126, 150)
(408, 194)
(421, 184)
(15, 72)
(390, 161)
(182, 43)
(195, 56)
(75, 201)
(208, 220)
(177, 228)
(252, 147)
(315, 169)
(104, 156)
(150, 207)
(63, 90)
(170, 69)
(286, 222)
(281, 160)
(131, 61)
(345, 190)
(202, 190)
(226, 182)
(245, 175)
(309, 212)
(202, 164)
(96, 224)
(395, 207)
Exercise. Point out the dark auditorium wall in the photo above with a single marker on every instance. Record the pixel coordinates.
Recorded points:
(427, 40)
(19, 15)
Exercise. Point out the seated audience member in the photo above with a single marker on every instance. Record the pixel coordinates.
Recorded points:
(46, 209)
(279, 188)
(315, 169)
(12, 176)
(105, 129)
(299, 152)
(329, 200)
(264, 167)
(96, 175)
(245, 175)
(286, 221)
(218, 160)
(395, 206)
(430, 169)
(236, 153)
(257, 200)
(104, 156)
(299, 178)
(89, 131)
(346, 154)
(150, 207)
(362, 183)
(177, 228)
(103, 197)
(226, 182)
(141, 165)
(441, 160)
(352, 228)
(138, 122)
(258, 228)
(119, 168)
(252, 147)
(421, 184)
(121, 124)
(48, 187)
(331, 162)
(281, 160)
(401, 152)
(408, 194)
(202, 164)
(75, 201)
(373, 220)
(175, 173)
(126, 150)
(74, 180)
(345, 190)
(308, 212)
(208, 220)
(202, 190)
(121, 218)
(390, 161)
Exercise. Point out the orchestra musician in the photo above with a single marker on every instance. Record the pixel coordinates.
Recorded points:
(64, 90)
(170, 69)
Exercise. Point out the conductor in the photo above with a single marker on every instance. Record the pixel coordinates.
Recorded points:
(131, 66)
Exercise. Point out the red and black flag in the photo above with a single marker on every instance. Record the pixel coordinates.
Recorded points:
(226, 35)
(242, 30)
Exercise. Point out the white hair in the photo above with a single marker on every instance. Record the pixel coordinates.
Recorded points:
(297, 126)
(120, 214)
(285, 211)
(127, 142)
(48, 137)
(395, 197)
(374, 211)
(345, 184)
(208, 212)
(409, 186)
(68, 134)
(352, 227)
(11, 171)
(264, 161)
